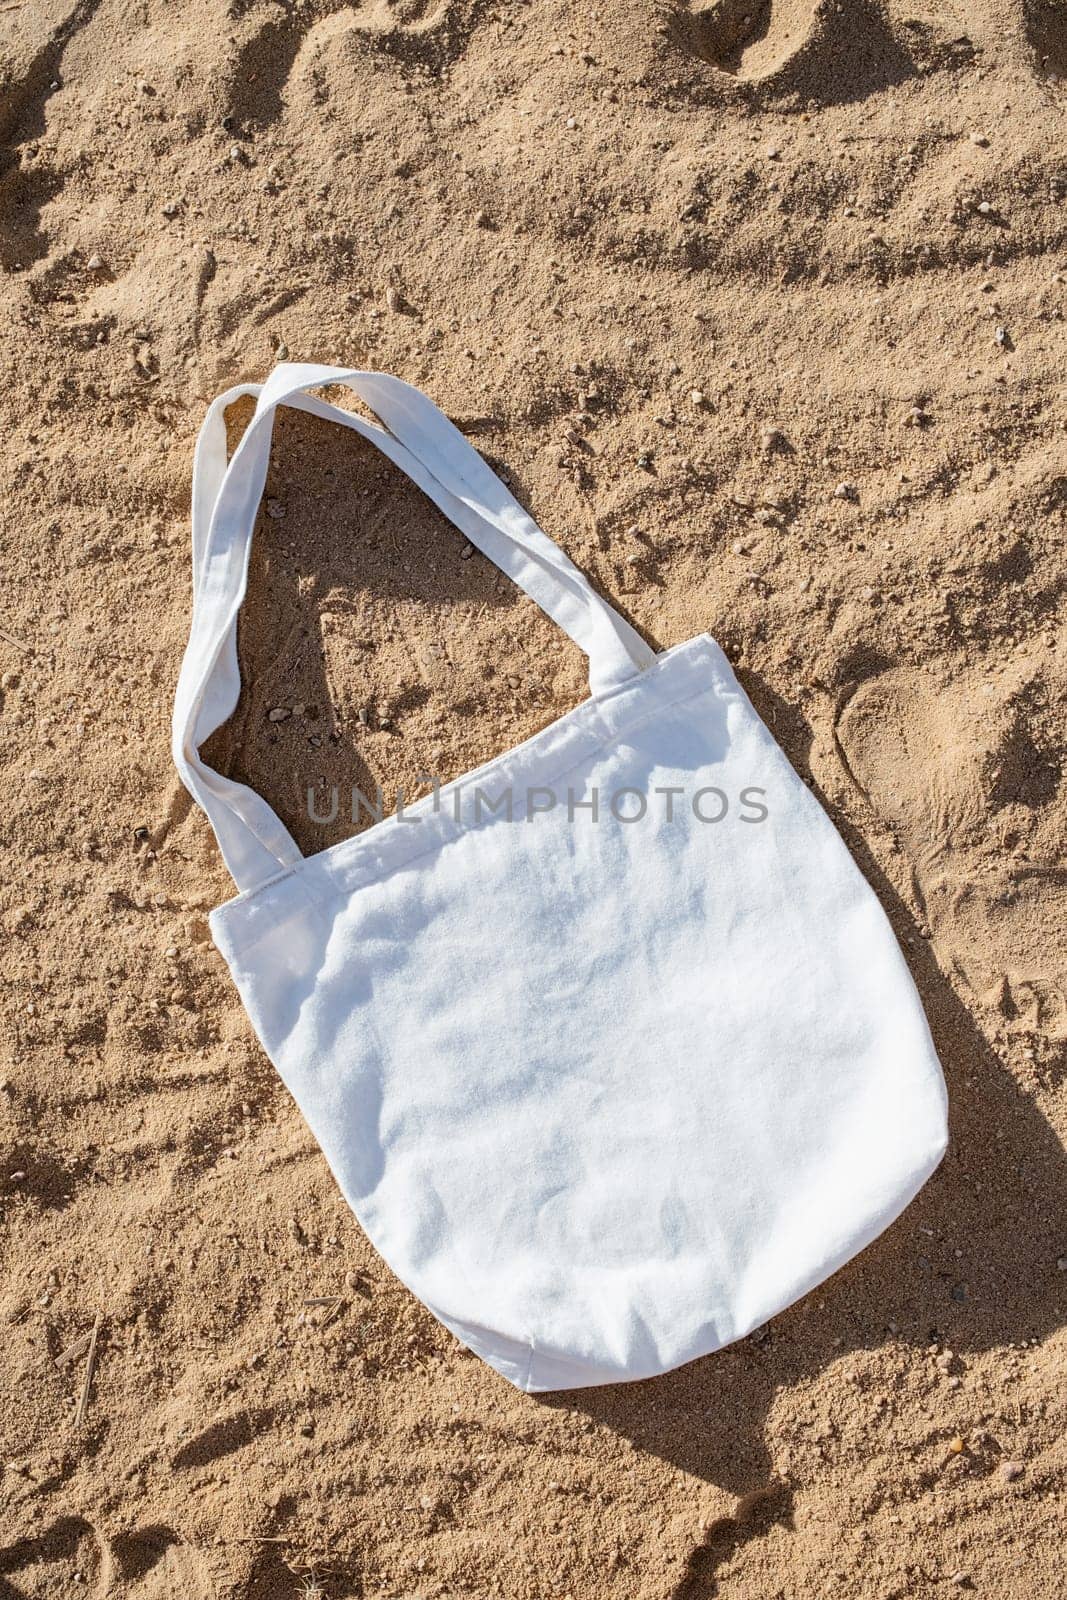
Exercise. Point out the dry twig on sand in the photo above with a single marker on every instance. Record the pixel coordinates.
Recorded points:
(83, 1403)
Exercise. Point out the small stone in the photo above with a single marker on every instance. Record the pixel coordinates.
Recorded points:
(18, 1177)
(279, 714)
(1061, 1264)
(957, 1446)
(916, 417)
(771, 439)
(171, 208)
(959, 1579)
(773, 152)
(697, 396)
(275, 509)
(980, 140)
(282, 352)
(10, 680)
(984, 208)
(1010, 1470)
(1001, 336)
(845, 491)
(394, 300)
(513, 681)
(572, 122)
(466, 553)
(737, 546)
(95, 264)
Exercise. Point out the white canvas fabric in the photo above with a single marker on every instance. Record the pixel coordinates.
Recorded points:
(605, 1094)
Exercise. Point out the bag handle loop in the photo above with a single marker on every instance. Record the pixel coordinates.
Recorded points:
(425, 445)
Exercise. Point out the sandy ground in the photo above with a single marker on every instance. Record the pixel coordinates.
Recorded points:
(682, 276)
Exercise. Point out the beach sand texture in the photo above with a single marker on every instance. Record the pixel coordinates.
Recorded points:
(760, 308)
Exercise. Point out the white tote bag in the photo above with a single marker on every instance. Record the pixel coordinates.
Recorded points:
(609, 1044)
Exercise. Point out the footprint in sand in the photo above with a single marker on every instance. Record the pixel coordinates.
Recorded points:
(72, 1557)
(1046, 28)
(68, 1557)
(961, 772)
(152, 1563)
(747, 38)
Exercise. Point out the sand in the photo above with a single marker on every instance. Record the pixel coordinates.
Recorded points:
(764, 319)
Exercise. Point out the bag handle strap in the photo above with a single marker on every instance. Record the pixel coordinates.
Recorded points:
(425, 445)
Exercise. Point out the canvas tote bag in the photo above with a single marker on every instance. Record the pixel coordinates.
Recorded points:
(608, 1080)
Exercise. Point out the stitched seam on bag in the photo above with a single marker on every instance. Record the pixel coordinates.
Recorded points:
(319, 898)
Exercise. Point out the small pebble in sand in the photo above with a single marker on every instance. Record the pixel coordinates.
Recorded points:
(773, 153)
(275, 509)
(10, 680)
(980, 140)
(95, 264)
(697, 396)
(1010, 1470)
(957, 1445)
(18, 1177)
(394, 300)
(845, 491)
(279, 714)
(1001, 336)
(984, 208)
(171, 208)
(1061, 1264)
(282, 352)
(916, 417)
(737, 546)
